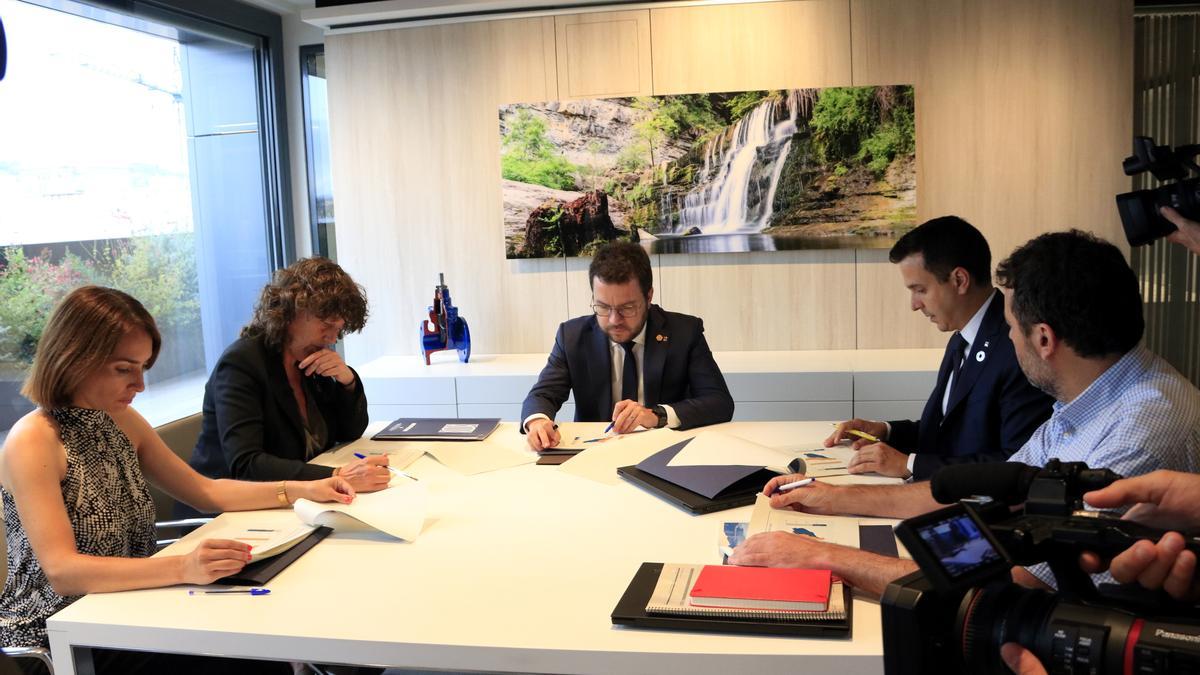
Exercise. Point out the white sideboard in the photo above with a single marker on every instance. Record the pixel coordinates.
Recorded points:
(782, 385)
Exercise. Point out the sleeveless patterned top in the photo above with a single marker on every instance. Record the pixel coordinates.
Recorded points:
(110, 510)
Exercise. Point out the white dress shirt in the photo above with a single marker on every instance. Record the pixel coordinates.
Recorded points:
(617, 372)
(969, 332)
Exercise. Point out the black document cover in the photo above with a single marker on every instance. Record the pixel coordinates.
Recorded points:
(259, 573)
(738, 494)
(878, 539)
(631, 611)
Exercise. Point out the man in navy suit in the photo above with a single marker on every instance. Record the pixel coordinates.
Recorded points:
(630, 362)
(983, 408)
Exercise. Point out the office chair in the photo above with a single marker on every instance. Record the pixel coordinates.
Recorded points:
(180, 436)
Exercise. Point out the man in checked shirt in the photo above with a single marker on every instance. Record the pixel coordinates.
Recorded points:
(1075, 318)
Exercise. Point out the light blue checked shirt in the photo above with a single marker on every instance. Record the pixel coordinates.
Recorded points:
(1140, 415)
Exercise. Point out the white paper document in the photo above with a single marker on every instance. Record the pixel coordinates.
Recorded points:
(268, 536)
(833, 529)
(472, 457)
(600, 461)
(825, 462)
(398, 511)
(714, 448)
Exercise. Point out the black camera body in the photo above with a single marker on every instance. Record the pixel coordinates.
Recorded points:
(1139, 209)
(953, 614)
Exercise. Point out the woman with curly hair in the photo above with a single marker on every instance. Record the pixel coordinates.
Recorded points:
(280, 394)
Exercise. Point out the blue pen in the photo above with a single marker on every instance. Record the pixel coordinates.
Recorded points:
(243, 591)
(393, 469)
(609, 427)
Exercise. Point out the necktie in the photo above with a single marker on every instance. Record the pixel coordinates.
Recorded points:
(954, 351)
(629, 374)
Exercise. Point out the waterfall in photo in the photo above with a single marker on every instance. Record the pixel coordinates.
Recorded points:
(741, 171)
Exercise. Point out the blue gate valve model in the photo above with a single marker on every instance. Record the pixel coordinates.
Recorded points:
(444, 329)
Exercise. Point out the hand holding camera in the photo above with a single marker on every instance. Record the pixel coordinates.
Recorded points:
(1163, 499)
(954, 615)
(1188, 234)
(1147, 215)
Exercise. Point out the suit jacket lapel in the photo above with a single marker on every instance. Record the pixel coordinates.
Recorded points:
(990, 329)
(654, 356)
(281, 390)
(600, 368)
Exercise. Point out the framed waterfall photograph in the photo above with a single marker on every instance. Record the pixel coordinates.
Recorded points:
(728, 172)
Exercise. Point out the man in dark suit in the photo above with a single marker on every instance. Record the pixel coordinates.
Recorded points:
(630, 362)
(983, 408)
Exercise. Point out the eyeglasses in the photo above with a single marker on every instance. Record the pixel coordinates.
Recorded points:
(628, 311)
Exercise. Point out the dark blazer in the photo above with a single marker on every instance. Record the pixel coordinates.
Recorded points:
(679, 371)
(993, 409)
(252, 429)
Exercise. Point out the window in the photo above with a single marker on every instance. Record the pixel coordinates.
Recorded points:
(316, 141)
(136, 151)
(1166, 106)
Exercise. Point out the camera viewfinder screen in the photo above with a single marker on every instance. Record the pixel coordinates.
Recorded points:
(959, 545)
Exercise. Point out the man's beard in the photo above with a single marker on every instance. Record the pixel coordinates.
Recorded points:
(1039, 375)
(632, 334)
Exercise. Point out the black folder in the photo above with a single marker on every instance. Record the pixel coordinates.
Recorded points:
(740, 494)
(631, 611)
(260, 572)
(700, 489)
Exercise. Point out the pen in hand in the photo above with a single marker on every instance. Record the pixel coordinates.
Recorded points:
(793, 485)
(389, 467)
(860, 434)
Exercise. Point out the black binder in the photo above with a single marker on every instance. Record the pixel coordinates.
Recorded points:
(737, 495)
(631, 611)
(260, 572)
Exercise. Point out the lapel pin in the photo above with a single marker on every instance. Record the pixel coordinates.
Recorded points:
(980, 356)
(660, 337)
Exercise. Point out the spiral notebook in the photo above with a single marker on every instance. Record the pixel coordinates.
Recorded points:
(675, 584)
(657, 598)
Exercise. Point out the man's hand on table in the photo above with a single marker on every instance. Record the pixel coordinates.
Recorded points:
(541, 434)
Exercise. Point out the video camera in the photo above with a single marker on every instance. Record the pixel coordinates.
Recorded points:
(953, 614)
(1139, 208)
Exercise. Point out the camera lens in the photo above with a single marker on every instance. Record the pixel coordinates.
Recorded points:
(1067, 637)
(1140, 217)
(997, 613)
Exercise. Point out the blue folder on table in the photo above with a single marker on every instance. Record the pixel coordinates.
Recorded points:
(438, 429)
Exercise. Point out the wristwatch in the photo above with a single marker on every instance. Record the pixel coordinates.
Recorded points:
(662, 416)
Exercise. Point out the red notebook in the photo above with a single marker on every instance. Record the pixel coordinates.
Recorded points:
(762, 588)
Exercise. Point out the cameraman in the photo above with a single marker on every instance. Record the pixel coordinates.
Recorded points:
(1188, 234)
(1161, 499)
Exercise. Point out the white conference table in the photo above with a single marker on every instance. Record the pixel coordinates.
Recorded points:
(516, 570)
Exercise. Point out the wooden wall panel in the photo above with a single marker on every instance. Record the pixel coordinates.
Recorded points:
(1023, 117)
(415, 144)
(604, 54)
(765, 301)
(884, 308)
(744, 47)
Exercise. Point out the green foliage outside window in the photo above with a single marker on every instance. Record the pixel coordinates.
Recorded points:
(160, 271)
